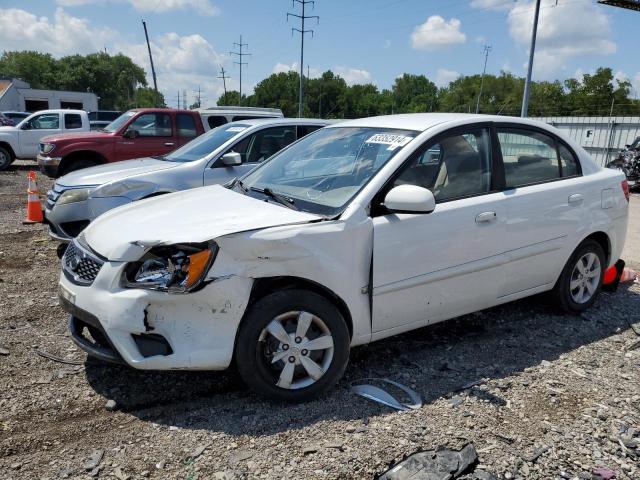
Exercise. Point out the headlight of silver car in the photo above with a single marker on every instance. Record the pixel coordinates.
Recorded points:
(74, 195)
(46, 147)
(174, 268)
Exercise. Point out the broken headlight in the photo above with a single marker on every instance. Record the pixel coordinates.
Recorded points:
(174, 268)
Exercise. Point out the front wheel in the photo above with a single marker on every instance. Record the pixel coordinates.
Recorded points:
(292, 346)
(581, 279)
(6, 158)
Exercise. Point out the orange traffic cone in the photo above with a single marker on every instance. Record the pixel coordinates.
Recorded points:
(34, 209)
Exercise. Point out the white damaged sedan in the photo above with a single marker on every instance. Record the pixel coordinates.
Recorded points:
(357, 232)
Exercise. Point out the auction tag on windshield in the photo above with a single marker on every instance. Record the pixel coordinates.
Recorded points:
(393, 140)
(236, 129)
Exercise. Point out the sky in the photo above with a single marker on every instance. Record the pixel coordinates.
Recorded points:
(364, 41)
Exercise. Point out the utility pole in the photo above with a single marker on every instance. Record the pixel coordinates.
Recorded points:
(153, 70)
(184, 99)
(486, 50)
(240, 62)
(224, 81)
(302, 32)
(178, 98)
(527, 83)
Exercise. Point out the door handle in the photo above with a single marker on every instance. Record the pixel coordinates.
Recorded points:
(168, 144)
(575, 199)
(486, 217)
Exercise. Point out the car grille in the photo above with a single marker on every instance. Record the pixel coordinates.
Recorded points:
(79, 265)
(53, 195)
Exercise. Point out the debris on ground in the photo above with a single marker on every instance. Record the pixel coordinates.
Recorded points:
(378, 394)
(438, 464)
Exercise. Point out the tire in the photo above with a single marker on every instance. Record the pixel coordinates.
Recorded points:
(6, 158)
(74, 165)
(257, 348)
(586, 280)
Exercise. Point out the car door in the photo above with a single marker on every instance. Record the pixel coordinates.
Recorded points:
(38, 127)
(186, 129)
(253, 149)
(545, 206)
(148, 134)
(430, 267)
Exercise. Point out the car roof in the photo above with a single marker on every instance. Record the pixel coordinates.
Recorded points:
(59, 110)
(287, 121)
(424, 121)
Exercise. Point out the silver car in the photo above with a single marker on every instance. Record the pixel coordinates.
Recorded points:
(216, 157)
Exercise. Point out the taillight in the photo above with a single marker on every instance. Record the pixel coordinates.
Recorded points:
(625, 188)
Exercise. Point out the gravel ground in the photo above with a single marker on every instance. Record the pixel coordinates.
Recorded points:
(552, 396)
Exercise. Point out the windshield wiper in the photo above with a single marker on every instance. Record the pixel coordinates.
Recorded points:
(281, 199)
(158, 157)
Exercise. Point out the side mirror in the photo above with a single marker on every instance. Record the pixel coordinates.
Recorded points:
(231, 159)
(131, 133)
(410, 199)
(25, 126)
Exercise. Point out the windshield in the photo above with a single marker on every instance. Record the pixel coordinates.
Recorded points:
(205, 144)
(119, 122)
(322, 172)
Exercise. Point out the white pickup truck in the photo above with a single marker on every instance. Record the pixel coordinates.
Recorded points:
(22, 140)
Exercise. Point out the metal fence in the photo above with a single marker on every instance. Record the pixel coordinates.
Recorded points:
(602, 137)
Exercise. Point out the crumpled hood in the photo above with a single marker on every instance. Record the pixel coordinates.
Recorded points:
(113, 172)
(196, 215)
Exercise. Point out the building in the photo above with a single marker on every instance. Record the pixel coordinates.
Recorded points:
(17, 95)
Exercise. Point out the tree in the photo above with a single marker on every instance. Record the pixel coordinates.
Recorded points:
(232, 97)
(415, 93)
(38, 69)
(113, 78)
(146, 97)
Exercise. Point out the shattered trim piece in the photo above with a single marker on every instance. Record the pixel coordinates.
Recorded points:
(377, 394)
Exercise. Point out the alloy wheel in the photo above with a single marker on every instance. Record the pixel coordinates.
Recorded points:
(297, 348)
(585, 278)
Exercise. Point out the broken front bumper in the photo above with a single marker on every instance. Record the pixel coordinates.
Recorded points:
(153, 330)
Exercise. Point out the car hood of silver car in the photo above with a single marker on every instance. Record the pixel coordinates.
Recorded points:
(113, 172)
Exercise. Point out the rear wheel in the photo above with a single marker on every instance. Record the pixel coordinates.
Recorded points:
(581, 279)
(6, 158)
(293, 345)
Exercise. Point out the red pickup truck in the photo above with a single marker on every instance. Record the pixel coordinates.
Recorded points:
(141, 132)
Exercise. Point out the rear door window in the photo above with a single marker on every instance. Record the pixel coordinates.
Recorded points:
(216, 120)
(72, 120)
(532, 157)
(186, 125)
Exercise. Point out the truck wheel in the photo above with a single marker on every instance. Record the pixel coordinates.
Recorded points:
(6, 158)
(581, 279)
(292, 345)
(77, 165)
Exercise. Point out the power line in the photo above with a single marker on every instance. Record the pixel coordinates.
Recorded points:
(240, 45)
(486, 49)
(224, 80)
(302, 31)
